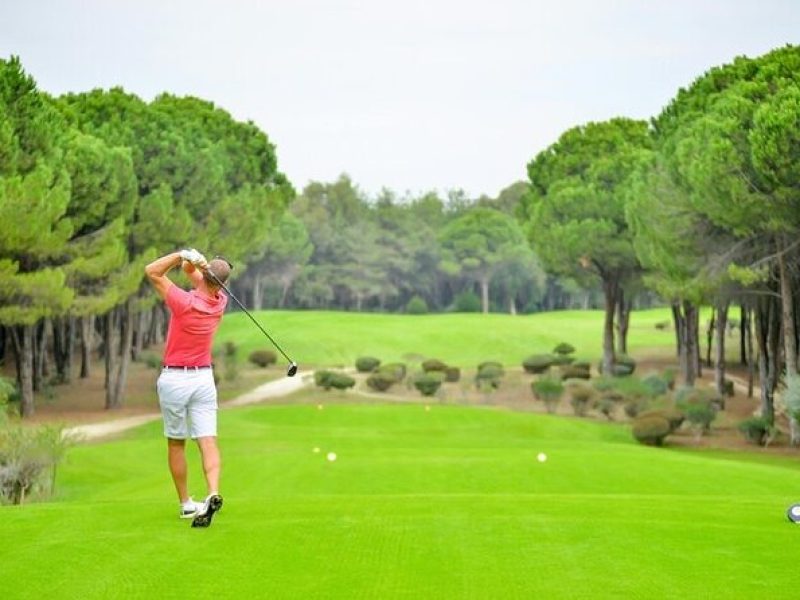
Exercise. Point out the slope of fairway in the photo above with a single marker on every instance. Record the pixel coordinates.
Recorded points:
(446, 503)
(338, 338)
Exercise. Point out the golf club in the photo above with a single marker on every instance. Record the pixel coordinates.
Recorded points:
(292, 365)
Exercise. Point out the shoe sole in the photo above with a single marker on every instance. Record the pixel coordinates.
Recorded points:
(204, 519)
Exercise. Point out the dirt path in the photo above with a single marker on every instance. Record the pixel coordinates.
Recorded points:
(268, 391)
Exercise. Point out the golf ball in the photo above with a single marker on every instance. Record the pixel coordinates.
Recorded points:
(541, 457)
(331, 456)
(316, 450)
(427, 409)
(319, 406)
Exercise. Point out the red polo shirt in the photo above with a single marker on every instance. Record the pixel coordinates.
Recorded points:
(193, 322)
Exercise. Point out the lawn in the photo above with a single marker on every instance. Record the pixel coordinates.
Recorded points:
(314, 338)
(442, 503)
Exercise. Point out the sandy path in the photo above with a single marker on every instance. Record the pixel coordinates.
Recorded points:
(268, 391)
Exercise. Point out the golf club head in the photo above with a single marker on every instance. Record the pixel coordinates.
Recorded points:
(793, 513)
(292, 369)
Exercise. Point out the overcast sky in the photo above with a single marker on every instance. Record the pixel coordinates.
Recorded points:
(408, 94)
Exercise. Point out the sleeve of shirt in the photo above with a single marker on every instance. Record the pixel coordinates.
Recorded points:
(178, 300)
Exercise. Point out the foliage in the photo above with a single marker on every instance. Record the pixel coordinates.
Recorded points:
(651, 430)
(564, 348)
(367, 364)
(263, 358)
(757, 430)
(452, 374)
(580, 370)
(333, 379)
(656, 384)
(428, 383)
(489, 375)
(417, 305)
(674, 416)
(549, 390)
(433, 364)
(394, 370)
(537, 363)
(381, 381)
(580, 396)
(467, 302)
(701, 415)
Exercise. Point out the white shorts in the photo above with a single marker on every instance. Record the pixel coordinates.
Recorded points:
(188, 401)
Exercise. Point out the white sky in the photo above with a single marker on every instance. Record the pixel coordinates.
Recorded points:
(410, 94)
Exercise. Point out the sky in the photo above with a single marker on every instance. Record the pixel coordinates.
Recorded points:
(410, 95)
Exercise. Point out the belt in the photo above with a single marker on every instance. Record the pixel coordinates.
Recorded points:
(185, 368)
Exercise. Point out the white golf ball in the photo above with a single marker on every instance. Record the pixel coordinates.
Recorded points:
(541, 457)
(316, 450)
(331, 456)
(319, 406)
(796, 511)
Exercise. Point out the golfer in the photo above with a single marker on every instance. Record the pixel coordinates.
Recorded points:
(186, 390)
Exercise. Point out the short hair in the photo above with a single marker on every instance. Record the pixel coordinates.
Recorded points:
(218, 271)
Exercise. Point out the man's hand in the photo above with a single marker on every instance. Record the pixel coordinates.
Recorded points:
(193, 256)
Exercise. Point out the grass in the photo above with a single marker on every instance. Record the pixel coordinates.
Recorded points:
(449, 503)
(338, 338)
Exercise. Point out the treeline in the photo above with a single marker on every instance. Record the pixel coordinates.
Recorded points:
(92, 187)
(337, 248)
(701, 205)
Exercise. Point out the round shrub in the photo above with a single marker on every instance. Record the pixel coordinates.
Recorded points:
(380, 382)
(493, 365)
(575, 372)
(623, 365)
(651, 430)
(562, 359)
(263, 358)
(700, 415)
(433, 364)
(322, 379)
(674, 416)
(538, 363)
(564, 348)
(656, 384)
(396, 370)
(367, 364)
(580, 396)
(467, 302)
(340, 381)
(428, 383)
(417, 306)
(549, 390)
(489, 375)
(452, 374)
(606, 407)
(757, 430)
(663, 325)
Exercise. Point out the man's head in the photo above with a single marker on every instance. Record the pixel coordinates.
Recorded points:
(221, 270)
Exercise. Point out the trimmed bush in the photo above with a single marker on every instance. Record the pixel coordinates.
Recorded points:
(467, 302)
(669, 378)
(757, 430)
(489, 375)
(606, 406)
(262, 358)
(663, 325)
(623, 365)
(537, 363)
(433, 364)
(564, 348)
(417, 306)
(700, 415)
(562, 359)
(580, 396)
(727, 387)
(491, 364)
(332, 379)
(651, 430)
(367, 364)
(656, 384)
(452, 374)
(674, 416)
(380, 382)
(549, 390)
(396, 370)
(574, 371)
(428, 383)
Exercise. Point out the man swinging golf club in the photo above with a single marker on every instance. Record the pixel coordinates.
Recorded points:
(187, 393)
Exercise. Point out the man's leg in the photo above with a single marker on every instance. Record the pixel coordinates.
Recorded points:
(176, 450)
(211, 462)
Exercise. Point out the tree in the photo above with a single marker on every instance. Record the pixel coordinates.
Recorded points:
(575, 209)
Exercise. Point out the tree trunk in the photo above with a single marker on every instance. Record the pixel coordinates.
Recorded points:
(40, 364)
(789, 339)
(484, 281)
(766, 323)
(87, 341)
(719, 350)
(688, 342)
(744, 323)
(512, 305)
(710, 337)
(140, 333)
(751, 366)
(610, 292)
(258, 293)
(677, 318)
(695, 325)
(2, 345)
(127, 321)
(623, 320)
(24, 339)
(64, 347)
(111, 344)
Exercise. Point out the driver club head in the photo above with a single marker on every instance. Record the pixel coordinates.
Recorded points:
(292, 369)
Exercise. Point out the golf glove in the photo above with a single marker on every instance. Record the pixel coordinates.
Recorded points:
(193, 256)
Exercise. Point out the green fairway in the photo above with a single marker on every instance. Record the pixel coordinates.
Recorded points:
(338, 338)
(449, 503)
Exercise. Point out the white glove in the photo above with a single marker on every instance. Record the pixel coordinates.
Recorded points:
(193, 256)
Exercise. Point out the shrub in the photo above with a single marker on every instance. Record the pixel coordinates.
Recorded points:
(623, 365)
(467, 302)
(537, 363)
(380, 382)
(433, 364)
(727, 387)
(606, 406)
(151, 359)
(489, 375)
(452, 374)
(700, 415)
(332, 379)
(757, 430)
(491, 364)
(581, 395)
(562, 359)
(396, 370)
(663, 325)
(564, 348)
(657, 385)
(634, 407)
(263, 358)
(674, 416)
(669, 378)
(574, 371)
(651, 430)
(549, 391)
(367, 364)
(428, 383)
(417, 306)
(229, 353)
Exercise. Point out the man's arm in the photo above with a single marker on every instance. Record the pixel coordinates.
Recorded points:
(193, 273)
(157, 271)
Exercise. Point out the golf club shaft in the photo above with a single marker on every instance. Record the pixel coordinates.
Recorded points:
(235, 299)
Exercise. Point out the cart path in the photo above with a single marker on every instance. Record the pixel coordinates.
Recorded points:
(267, 391)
